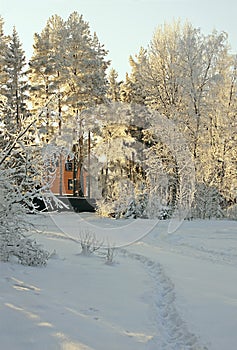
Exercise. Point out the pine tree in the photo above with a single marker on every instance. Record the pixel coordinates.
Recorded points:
(86, 81)
(67, 71)
(57, 36)
(42, 87)
(86, 65)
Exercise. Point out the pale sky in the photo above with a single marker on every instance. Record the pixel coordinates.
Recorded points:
(123, 26)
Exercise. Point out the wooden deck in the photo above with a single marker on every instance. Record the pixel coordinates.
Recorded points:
(77, 204)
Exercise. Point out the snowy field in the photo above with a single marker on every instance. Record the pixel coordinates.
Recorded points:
(165, 291)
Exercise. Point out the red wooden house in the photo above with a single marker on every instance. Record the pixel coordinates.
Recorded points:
(70, 179)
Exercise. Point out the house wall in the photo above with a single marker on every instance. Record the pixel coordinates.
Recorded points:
(63, 183)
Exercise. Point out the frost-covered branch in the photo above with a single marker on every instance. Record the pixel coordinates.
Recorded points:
(89, 243)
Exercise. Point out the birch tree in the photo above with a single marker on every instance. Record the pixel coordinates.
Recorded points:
(220, 163)
(184, 73)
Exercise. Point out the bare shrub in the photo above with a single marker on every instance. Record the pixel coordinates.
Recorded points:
(110, 255)
(89, 243)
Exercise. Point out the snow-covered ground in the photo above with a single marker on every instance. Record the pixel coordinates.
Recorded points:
(165, 291)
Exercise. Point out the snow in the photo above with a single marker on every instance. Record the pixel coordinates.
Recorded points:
(163, 291)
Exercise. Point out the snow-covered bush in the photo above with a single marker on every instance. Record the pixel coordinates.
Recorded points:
(15, 229)
(231, 212)
(119, 201)
(156, 210)
(21, 168)
(105, 208)
(126, 205)
(207, 203)
(110, 255)
(137, 207)
(89, 243)
(23, 248)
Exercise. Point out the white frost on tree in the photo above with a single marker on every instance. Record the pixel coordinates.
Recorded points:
(21, 182)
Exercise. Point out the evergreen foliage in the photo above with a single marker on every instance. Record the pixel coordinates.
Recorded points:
(16, 85)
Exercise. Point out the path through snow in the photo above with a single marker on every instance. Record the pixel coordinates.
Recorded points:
(172, 331)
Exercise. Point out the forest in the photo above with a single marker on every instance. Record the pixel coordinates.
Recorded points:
(162, 141)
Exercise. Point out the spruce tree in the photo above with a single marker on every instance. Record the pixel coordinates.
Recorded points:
(16, 85)
(113, 89)
(3, 75)
(133, 89)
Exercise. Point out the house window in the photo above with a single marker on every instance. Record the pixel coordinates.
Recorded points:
(70, 184)
(68, 166)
